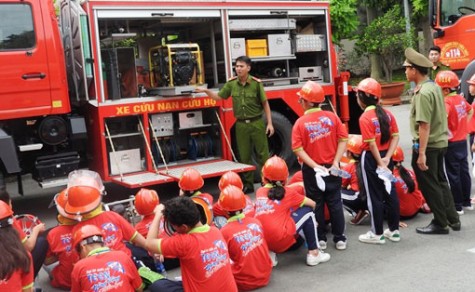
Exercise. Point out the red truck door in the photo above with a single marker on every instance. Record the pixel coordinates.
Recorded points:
(24, 73)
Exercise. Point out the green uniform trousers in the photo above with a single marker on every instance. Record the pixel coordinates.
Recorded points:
(251, 137)
(434, 186)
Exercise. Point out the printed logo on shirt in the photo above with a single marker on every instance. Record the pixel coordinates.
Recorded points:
(264, 206)
(66, 241)
(377, 128)
(319, 129)
(249, 238)
(461, 112)
(110, 231)
(403, 185)
(249, 207)
(105, 279)
(214, 258)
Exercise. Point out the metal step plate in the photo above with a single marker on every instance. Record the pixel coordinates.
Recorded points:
(142, 179)
(211, 168)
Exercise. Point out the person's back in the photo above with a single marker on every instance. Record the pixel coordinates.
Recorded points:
(410, 203)
(457, 116)
(248, 250)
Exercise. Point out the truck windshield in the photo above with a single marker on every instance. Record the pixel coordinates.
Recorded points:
(452, 10)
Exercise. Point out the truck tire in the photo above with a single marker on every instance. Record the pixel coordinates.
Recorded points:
(280, 143)
(467, 73)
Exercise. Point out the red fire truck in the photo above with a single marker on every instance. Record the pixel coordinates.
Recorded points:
(111, 87)
(454, 30)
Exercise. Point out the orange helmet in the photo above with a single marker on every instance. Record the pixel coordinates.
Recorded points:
(190, 180)
(354, 144)
(230, 178)
(60, 200)
(370, 86)
(206, 212)
(312, 92)
(232, 199)
(82, 199)
(275, 169)
(5, 212)
(85, 232)
(447, 79)
(398, 155)
(471, 81)
(145, 201)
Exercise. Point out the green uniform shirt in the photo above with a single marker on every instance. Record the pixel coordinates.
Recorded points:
(428, 106)
(440, 67)
(247, 98)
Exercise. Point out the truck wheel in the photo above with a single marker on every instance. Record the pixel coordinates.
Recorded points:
(280, 143)
(467, 73)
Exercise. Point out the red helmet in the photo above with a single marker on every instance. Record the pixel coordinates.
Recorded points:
(206, 212)
(5, 210)
(312, 92)
(230, 178)
(447, 79)
(232, 199)
(354, 144)
(471, 81)
(275, 169)
(145, 201)
(398, 155)
(60, 200)
(85, 232)
(370, 86)
(82, 199)
(190, 180)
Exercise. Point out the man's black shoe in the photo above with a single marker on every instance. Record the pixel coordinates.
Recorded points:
(248, 190)
(456, 226)
(433, 229)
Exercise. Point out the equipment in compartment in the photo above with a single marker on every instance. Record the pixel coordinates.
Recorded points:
(310, 73)
(120, 72)
(171, 151)
(200, 145)
(310, 43)
(190, 119)
(238, 47)
(162, 124)
(175, 66)
(279, 45)
(262, 24)
(125, 161)
(256, 48)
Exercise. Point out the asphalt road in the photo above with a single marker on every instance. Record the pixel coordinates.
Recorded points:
(416, 263)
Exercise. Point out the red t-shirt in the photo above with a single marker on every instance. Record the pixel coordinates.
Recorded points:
(352, 182)
(204, 259)
(143, 226)
(248, 250)
(116, 229)
(21, 233)
(370, 129)
(317, 130)
(297, 177)
(457, 112)
(409, 203)
(60, 240)
(275, 216)
(18, 279)
(471, 123)
(248, 210)
(105, 270)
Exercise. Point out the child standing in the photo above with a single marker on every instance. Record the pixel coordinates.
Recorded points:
(459, 112)
(319, 140)
(380, 135)
(284, 213)
(244, 236)
(353, 194)
(410, 197)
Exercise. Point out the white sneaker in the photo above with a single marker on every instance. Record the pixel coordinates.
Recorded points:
(468, 208)
(392, 235)
(340, 245)
(273, 257)
(370, 237)
(322, 257)
(322, 244)
(460, 212)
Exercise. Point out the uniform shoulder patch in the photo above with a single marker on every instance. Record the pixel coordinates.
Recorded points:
(232, 78)
(256, 79)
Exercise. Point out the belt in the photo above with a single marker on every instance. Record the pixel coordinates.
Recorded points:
(249, 120)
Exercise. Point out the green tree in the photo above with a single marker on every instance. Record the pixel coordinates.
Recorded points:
(344, 19)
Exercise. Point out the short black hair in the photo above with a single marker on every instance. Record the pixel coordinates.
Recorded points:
(435, 48)
(181, 210)
(244, 59)
(422, 70)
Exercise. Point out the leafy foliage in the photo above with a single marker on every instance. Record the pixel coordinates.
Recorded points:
(386, 37)
(344, 19)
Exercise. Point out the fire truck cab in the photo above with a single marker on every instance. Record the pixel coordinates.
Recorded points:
(131, 68)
